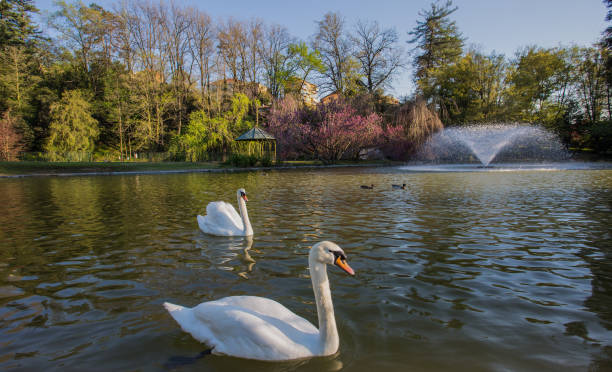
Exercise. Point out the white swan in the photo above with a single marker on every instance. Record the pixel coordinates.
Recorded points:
(223, 220)
(259, 328)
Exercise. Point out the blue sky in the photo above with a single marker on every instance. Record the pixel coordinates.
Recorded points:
(502, 26)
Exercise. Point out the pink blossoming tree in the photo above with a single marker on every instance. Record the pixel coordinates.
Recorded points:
(328, 132)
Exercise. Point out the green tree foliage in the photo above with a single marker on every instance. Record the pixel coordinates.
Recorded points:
(16, 26)
(17, 76)
(538, 85)
(239, 109)
(592, 89)
(304, 63)
(19, 61)
(472, 88)
(116, 107)
(145, 68)
(436, 38)
(72, 128)
(438, 44)
(607, 41)
(205, 136)
(81, 28)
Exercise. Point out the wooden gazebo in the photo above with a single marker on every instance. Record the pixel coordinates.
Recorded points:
(266, 142)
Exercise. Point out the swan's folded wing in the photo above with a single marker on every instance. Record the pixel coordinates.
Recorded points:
(243, 332)
(270, 308)
(223, 214)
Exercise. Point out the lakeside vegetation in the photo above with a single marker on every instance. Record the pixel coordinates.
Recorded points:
(166, 79)
(38, 167)
(22, 168)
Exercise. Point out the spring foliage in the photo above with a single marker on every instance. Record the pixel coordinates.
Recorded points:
(162, 77)
(328, 132)
(72, 128)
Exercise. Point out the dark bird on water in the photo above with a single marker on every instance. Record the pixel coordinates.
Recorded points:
(403, 186)
(367, 187)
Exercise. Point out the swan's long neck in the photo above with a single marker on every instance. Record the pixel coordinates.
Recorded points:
(246, 223)
(328, 332)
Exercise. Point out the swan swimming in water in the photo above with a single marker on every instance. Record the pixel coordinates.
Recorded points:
(259, 328)
(223, 220)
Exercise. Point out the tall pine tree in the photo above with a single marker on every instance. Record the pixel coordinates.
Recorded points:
(16, 26)
(438, 43)
(436, 38)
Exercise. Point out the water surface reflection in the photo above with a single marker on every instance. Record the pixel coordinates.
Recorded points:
(463, 271)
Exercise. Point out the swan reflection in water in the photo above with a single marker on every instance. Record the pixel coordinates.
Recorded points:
(230, 253)
(247, 257)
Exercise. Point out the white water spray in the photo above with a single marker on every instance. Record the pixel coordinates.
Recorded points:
(513, 142)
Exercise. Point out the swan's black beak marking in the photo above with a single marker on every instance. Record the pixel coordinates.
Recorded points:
(340, 261)
(243, 195)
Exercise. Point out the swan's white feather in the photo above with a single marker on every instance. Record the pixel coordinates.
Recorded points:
(249, 327)
(222, 212)
(259, 328)
(221, 219)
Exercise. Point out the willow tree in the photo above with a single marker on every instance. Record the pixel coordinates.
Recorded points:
(412, 124)
(72, 128)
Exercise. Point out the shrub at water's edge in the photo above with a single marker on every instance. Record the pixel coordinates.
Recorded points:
(328, 131)
(412, 124)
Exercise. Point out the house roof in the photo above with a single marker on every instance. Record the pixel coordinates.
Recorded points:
(255, 134)
(331, 96)
(222, 81)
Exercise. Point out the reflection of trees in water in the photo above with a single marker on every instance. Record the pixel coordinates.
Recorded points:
(437, 256)
(79, 236)
(599, 259)
(600, 263)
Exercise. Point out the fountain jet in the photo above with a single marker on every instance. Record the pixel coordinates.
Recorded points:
(500, 142)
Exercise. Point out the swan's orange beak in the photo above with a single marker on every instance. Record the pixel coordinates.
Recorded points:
(343, 265)
(245, 198)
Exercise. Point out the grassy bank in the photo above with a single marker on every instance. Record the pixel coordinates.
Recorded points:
(40, 167)
(54, 168)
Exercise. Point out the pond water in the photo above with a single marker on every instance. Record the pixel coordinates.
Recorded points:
(462, 271)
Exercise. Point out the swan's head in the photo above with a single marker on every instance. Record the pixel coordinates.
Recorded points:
(241, 193)
(331, 254)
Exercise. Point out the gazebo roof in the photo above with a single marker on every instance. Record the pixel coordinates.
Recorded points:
(255, 134)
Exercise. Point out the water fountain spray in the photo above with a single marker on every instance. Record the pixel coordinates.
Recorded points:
(499, 142)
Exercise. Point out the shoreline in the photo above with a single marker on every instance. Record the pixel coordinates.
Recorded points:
(21, 169)
(191, 170)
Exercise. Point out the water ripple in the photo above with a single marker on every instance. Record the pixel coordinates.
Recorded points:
(489, 270)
